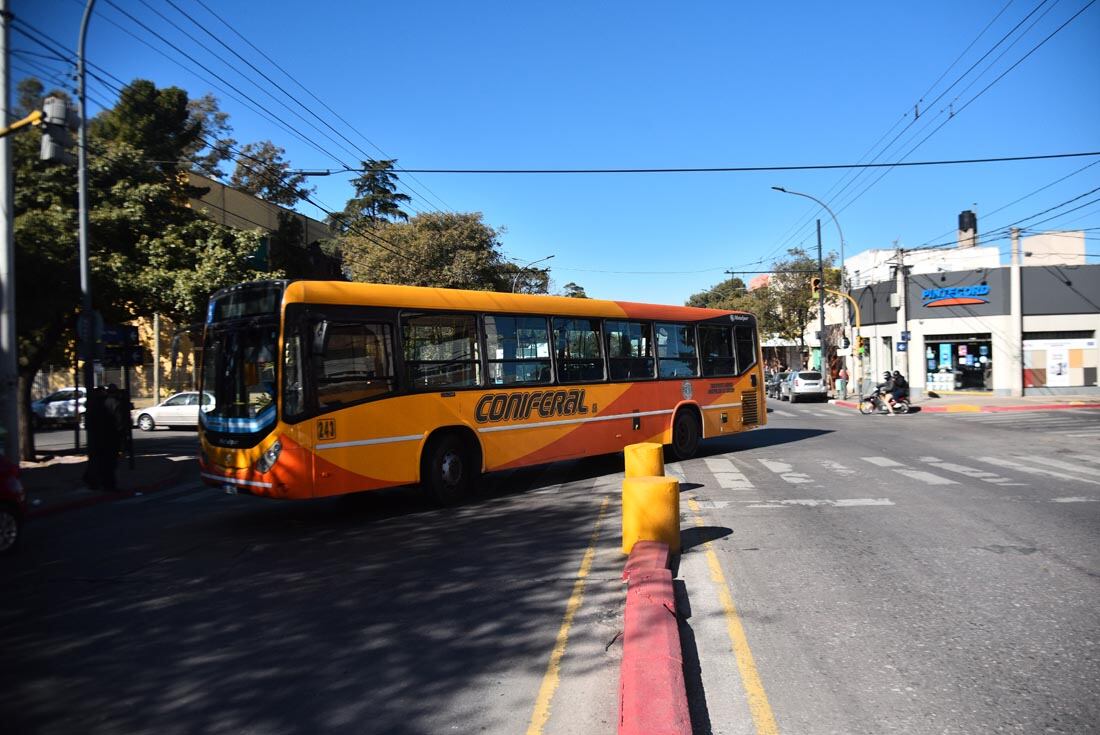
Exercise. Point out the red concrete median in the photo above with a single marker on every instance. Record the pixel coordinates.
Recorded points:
(652, 693)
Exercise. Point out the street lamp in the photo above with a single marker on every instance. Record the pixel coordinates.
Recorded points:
(843, 274)
(521, 270)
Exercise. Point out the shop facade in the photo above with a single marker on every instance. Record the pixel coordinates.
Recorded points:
(985, 330)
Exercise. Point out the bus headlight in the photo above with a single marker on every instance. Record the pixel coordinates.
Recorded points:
(268, 459)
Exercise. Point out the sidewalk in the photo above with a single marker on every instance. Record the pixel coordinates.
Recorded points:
(55, 484)
(961, 402)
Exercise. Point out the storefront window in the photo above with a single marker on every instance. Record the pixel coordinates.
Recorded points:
(959, 363)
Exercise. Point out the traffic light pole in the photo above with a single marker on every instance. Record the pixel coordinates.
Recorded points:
(82, 178)
(9, 369)
(822, 366)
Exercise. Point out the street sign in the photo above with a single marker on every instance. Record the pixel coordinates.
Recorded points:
(905, 336)
(903, 346)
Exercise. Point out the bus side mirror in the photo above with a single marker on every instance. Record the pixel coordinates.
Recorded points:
(320, 333)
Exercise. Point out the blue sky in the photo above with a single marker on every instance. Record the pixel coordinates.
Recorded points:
(652, 85)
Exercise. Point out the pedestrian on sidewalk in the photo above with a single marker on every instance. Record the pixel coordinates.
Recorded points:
(104, 439)
(842, 383)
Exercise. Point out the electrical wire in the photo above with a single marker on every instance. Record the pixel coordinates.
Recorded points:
(308, 91)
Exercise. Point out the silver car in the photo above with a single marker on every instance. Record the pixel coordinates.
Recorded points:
(60, 408)
(805, 384)
(181, 409)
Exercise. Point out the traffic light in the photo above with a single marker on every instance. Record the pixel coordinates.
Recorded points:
(57, 123)
(845, 343)
(815, 285)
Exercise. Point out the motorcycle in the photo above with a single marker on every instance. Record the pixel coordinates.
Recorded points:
(876, 403)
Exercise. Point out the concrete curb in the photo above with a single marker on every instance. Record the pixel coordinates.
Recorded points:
(652, 692)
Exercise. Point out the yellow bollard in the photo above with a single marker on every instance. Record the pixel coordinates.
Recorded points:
(646, 459)
(651, 511)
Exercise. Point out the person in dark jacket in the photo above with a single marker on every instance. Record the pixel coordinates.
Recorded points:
(105, 433)
(885, 392)
(901, 387)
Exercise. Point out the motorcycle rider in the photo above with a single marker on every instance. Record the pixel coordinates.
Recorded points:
(885, 391)
(901, 388)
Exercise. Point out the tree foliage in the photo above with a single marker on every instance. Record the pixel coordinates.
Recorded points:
(148, 253)
(716, 297)
(263, 172)
(376, 199)
(440, 249)
(573, 291)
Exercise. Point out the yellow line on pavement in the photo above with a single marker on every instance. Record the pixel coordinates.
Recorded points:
(552, 677)
(762, 717)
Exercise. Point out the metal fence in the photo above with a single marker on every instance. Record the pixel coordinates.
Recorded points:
(172, 380)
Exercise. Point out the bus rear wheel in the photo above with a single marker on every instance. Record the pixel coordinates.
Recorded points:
(685, 435)
(446, 469)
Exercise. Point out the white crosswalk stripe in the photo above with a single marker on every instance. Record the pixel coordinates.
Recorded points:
(785, 471)
(969, 471)
(837, 468)
(1087, 471)
(1010, 464)
(927, 478)
(727, 475)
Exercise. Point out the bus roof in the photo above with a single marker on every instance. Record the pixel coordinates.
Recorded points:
(416, 297)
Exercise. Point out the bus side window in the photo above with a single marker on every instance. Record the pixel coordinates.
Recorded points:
(716, 348)
(629, 350)
(745, 345)
(577, 347)
(441, 351)
(518, 350)
(355, 365)
(676, 356)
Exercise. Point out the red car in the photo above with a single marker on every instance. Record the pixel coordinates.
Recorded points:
(13, 505)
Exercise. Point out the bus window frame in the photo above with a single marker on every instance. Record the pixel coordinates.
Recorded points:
(694, 327)
(479, 341)
(306, 314)
(484, 337)
(728, 327)
(750, 323)
(599, 342)
(650, 333)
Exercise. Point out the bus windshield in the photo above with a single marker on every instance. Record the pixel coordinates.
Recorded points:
(239, 370)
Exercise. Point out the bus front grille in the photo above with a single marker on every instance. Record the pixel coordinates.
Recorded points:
(750, 410)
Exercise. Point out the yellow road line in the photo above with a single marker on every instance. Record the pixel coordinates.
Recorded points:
(762, 717)
(551, 679)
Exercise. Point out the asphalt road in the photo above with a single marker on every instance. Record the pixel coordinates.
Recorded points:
(854, 574)
(911, 574)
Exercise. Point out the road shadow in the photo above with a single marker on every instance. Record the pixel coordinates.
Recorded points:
(693, 670)
(377, 613)
(757, 439)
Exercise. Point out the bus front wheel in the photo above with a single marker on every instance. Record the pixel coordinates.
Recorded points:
(446, 469)
(685, 435)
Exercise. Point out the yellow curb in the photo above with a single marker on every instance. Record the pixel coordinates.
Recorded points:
(964, 408)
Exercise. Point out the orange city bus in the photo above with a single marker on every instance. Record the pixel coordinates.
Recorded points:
(322, 388)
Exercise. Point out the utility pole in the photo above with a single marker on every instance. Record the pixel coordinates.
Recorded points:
(82, 180)
(821, 308)
(1016, 310)
(9, 367)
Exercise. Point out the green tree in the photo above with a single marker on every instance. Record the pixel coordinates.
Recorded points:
(376, 199)
(718, 296)
(263, 172)
(573, 291)
(440, 249)
(214, 144)
(794, 301)
(149, 253)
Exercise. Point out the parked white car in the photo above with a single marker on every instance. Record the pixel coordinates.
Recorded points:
(806, 384)
(59, 408)
(182, 409)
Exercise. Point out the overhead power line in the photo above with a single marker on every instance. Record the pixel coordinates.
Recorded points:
(730, 169)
